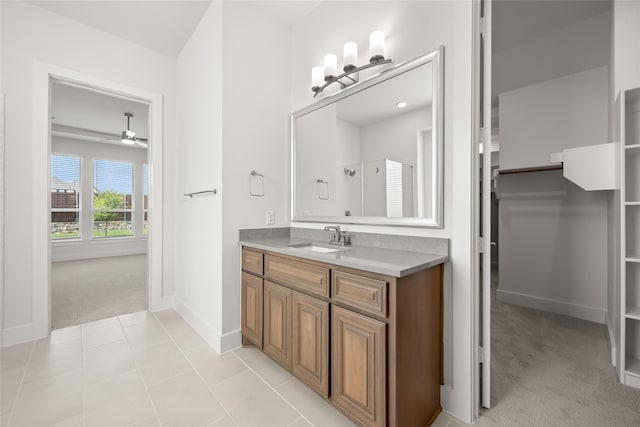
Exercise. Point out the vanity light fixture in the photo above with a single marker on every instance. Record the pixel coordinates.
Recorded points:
(321, 77)
(401, 104)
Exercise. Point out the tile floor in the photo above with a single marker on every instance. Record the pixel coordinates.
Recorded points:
(151, 369)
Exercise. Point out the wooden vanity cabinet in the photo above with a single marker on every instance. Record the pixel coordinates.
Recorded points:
(358, 366)
(251, 312)
(311, 342)
(278, 323)
(370, 344)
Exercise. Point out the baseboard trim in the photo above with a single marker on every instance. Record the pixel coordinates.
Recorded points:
(206, 331)
(18, 334)
(230, 340)
(613, 350)
(583, 312)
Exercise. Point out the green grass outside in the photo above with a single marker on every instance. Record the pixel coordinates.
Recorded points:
(112, 233)
(96, 233)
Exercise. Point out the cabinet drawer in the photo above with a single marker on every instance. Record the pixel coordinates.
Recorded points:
(252, 261)
(307, 277)
(364, 293)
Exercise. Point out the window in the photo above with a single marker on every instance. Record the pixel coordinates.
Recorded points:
(65, 196)
(112, 198)
(145, 192)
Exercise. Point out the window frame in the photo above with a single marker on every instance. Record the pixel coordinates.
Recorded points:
(124, 211)
(78, 210)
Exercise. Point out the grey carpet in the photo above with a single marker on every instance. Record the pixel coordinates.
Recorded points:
(553, 370)
(87, 290)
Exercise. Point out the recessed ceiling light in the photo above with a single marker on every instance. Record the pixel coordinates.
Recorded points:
(401, 104)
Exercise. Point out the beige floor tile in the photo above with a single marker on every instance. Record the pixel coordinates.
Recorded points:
(135, 318)
(269, 370)
(167, 317)
(184, 335)
(250, 402)
(161, 362)
(185, 401)
(9, 386)
(49, 358)
(212, 367)
(225, 422)
(456, 423)
(75, 421)
(121, 401)
(312, 406)
(300, 422)
(15, 357)
(101, 332)
(145, 334)
(48, 401)
(442, 420)
(71, 333)
(106, 361)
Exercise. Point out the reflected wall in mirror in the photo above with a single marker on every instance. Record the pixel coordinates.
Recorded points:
(372, 154)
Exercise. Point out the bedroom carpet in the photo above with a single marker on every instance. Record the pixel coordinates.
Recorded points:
(87, 290)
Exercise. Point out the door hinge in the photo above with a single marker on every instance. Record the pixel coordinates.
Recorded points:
(483, 25)
(481, 245)
(481, 358)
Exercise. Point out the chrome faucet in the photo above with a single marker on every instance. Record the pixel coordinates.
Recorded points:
(338, 237)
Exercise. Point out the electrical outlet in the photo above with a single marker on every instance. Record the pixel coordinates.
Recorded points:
(271, 217)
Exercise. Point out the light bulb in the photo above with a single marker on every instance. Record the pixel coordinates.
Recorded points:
(317, 76)
(350, 57)
(376, 46)
(330, 66)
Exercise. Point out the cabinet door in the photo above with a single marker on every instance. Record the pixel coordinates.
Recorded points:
(251, 309)
(277, 322)
(358, 367)
(311, 342)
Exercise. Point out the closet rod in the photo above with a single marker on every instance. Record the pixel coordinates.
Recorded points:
(531, 169)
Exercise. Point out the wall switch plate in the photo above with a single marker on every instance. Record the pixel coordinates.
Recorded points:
(271, 217)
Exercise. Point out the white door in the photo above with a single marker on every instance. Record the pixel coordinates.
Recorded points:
(485, 203)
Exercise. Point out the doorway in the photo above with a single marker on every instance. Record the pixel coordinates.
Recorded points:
(99, 205)
(43, 77)
(548, 304)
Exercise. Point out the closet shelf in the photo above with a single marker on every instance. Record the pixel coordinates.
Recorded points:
(633, 312)
(632, 258)
(633, 366)
(631, 146)
(632, 203)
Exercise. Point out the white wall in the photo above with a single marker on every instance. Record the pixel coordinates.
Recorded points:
(552, 255)
(232, 122)
(626, 35)
(87, 247)
(198, 255)
(413, 29)
(569, 50)
(255, 122)
(31, 34)
(544, 118)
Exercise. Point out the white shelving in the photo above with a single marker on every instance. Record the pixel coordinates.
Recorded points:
(633, 312)
(628, 127)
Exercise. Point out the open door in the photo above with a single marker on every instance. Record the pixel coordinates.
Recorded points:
(485, 204)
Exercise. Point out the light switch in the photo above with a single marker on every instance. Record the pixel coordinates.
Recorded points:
(271, 217)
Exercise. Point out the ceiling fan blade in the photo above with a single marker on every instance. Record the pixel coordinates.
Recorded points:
(142, 142)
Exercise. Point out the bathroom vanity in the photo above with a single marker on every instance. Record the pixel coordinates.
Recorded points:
(362, 326)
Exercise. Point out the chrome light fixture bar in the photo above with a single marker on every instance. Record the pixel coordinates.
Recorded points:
(322, 77)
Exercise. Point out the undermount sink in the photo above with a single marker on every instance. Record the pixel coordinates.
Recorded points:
(313, 248)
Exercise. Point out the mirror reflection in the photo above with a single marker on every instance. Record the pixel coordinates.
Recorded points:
(373, 154)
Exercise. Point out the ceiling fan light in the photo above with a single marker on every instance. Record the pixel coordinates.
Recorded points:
(128, 137)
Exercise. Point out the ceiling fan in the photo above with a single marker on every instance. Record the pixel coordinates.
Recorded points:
(129, 136)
